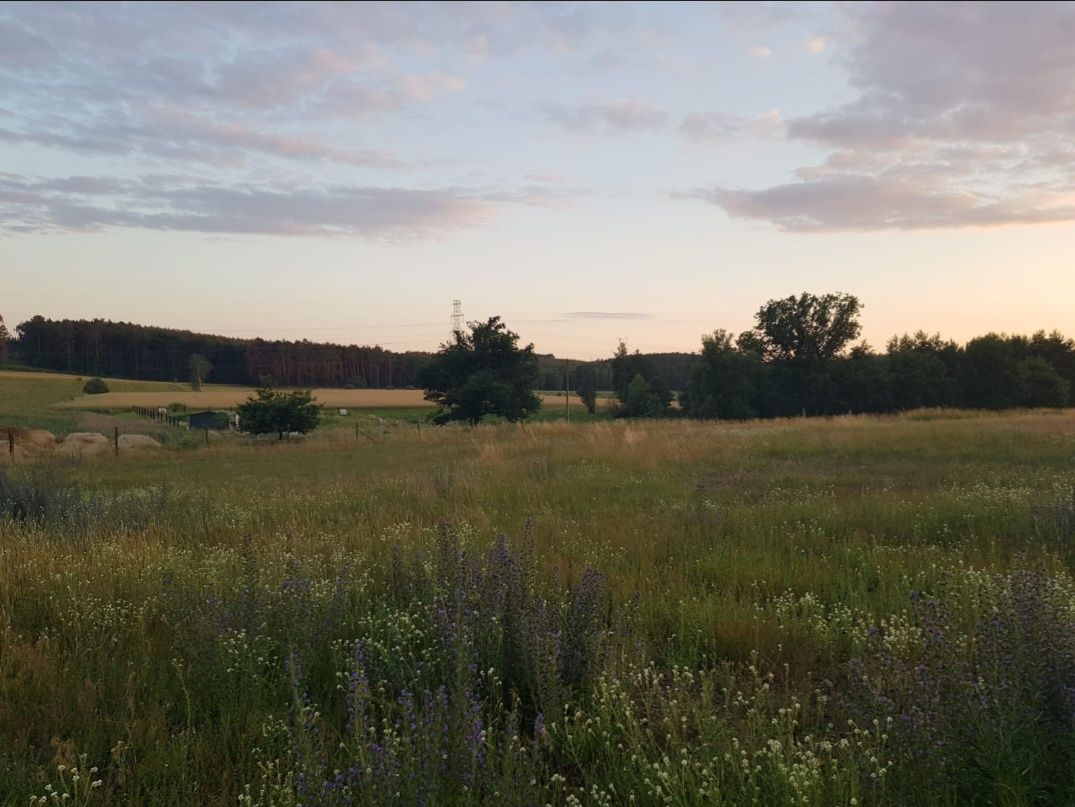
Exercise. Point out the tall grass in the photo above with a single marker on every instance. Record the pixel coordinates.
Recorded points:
(851, 611)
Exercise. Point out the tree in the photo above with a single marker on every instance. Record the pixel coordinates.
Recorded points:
(586, 386)
(805, 334)
(863, 382)
(808, 329)
(991, 376)
(626, 369)
(199, 370)
(1042, 384)
(480, 373)
(270, 411)
(95, 386)
(5, 337)
(920, 369)
(724, 380)
(1056, 349)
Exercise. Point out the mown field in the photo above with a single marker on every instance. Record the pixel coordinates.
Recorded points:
(844, 611)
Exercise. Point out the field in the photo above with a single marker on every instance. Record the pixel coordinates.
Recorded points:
(228, 397)
(55, 401)
(848, 611)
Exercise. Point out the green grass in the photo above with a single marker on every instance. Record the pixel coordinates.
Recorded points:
(752, 549)
(26, 401)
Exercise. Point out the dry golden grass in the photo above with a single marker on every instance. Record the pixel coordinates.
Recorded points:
(227, 397)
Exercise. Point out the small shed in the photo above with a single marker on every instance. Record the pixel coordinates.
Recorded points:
(214, 421)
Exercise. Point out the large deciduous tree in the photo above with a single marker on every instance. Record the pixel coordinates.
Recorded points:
(808, 329)
(480, 373)
(801, 336)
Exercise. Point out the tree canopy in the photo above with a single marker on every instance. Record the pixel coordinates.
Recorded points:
(200, 367)
(5, 337)
(270, 411)
(483, 372)
(808, 329)
(639, 388)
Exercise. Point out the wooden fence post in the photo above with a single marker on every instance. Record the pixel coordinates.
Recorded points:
(207, 437)
(11, 443)
(115, 440)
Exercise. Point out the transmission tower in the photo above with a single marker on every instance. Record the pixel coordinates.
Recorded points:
(457, 318)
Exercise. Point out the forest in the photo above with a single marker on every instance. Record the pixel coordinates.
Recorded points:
(125, 350)
(802, 357)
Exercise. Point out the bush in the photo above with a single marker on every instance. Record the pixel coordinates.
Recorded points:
(270, 411)
(95, 386)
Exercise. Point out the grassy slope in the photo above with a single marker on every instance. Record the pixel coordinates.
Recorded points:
(26, 399)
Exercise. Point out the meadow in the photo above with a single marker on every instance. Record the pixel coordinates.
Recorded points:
(844, 611)
(220, 396)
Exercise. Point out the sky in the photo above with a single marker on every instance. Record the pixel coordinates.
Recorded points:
(589, 172)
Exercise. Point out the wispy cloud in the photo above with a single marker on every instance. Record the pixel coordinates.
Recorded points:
(715, 127)
(761, 52)
(626, 115)
(167, 203)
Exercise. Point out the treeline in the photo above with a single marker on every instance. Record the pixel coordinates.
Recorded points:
(121, 349)
(124, 350)
(799, 360)
(672, 368)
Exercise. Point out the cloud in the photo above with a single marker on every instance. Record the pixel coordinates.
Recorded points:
(835, 202)
(84, 203)
(95, 79)
(171, 134)
(621, 116)
(963, 115)
(713, 127)
(816, 44)
(607, 315)
(761, 51)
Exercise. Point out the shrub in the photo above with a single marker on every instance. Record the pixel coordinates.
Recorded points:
(95, 386)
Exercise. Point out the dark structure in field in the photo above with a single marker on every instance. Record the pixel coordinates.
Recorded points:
(217, 421)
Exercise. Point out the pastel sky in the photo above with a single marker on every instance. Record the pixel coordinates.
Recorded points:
(587, 171)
